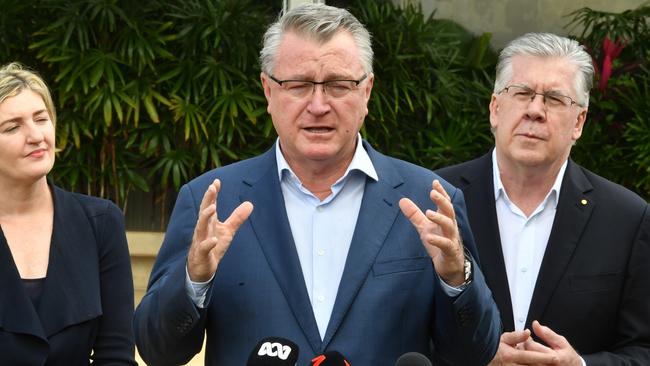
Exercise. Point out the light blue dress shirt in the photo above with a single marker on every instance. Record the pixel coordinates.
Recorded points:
(322, 230)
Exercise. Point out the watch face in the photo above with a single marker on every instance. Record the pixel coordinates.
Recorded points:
(468, 269)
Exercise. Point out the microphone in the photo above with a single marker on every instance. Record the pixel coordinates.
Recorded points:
(329, 358)
(413, 359)
(274, 351)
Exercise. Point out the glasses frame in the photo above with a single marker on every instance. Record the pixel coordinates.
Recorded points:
(323, 83)
(544, 95)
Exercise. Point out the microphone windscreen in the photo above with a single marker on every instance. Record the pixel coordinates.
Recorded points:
(274, 351)
(413, 359)
(330, 358)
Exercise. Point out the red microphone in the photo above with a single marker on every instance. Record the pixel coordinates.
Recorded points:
(329, 358)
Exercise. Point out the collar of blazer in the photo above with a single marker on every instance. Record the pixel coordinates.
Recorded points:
(71, 293)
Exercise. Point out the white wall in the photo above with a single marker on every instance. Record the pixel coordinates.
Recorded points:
(290, 4)
(507, 19)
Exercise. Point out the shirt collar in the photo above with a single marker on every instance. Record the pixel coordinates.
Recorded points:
(360, 162)
(499, 190)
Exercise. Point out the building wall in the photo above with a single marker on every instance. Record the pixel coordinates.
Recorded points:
(507, 19)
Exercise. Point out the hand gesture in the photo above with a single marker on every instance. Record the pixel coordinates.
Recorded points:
(212, 237)
(439, 234)
(512, 351)
(558, 347)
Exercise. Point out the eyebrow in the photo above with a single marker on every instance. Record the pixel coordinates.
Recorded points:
(18, 119)
(552, 91)
(327, 77)
(38, 113)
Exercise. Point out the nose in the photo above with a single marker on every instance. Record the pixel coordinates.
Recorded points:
(536, 110)
(34, 133)
(318, 102)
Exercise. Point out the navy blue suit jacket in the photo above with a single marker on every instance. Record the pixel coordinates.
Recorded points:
(593, 285)
(87, 300)
(389, 301)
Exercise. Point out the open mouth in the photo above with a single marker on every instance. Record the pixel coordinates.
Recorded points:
(319, 129)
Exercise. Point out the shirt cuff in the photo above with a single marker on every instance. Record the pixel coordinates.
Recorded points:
(197, 290)
(452, 291)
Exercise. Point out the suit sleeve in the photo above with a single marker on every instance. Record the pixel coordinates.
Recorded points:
(114, 344)
(632, 341)
(169, 328)
(467, 328)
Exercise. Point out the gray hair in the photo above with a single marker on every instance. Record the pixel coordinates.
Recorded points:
(547, 45)
(318, 22)
(14, 78)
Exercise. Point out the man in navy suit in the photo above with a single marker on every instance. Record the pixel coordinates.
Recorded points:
(565, 251)
(307, 242)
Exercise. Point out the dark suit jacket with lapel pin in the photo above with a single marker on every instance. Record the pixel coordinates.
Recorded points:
(389, 301)
(87, 300)
(594, 283)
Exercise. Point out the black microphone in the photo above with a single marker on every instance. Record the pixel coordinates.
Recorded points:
(329, 358)
(274, 351)
(413, 359)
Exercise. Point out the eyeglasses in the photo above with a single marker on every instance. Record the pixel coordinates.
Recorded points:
(331, 88)
(552, 100)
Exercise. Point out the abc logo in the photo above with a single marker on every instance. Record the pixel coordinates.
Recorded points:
(274, 350)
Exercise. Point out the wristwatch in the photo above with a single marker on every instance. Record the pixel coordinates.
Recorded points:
(467, 267)
(468, 270)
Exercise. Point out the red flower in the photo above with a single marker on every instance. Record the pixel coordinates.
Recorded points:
(612, 50)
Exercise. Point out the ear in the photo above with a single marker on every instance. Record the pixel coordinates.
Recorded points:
(579, 124)
(267, 90)
(494, 111)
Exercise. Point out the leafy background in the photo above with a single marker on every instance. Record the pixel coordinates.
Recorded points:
(150, 96)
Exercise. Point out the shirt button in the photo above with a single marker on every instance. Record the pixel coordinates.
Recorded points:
(320, 298)
(321, 252)
(524, 269)
(521, 320)
(319, 208)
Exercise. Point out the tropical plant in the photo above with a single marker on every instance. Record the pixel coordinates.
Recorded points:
(150, 96)
(432, 86)
(618, 125)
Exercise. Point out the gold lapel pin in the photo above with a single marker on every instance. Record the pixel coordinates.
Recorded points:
(584, 202)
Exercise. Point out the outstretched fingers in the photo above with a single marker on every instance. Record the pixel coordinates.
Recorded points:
(238, 216)
(413, 213)
(207, 211)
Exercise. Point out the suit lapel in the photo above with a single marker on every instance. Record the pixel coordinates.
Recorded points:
(481, 210)
(71, 294)
(271, 226)
(379, 208)
(17, 313)
(573, 212)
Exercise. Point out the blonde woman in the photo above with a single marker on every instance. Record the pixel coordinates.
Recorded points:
(66, 290)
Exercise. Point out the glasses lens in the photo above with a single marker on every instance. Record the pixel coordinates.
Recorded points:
(520, 93)
(339, 88)
(298, 89)
(552, 100)
(332, 88)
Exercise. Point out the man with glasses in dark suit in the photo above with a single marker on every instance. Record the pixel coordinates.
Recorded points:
(564, 251)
